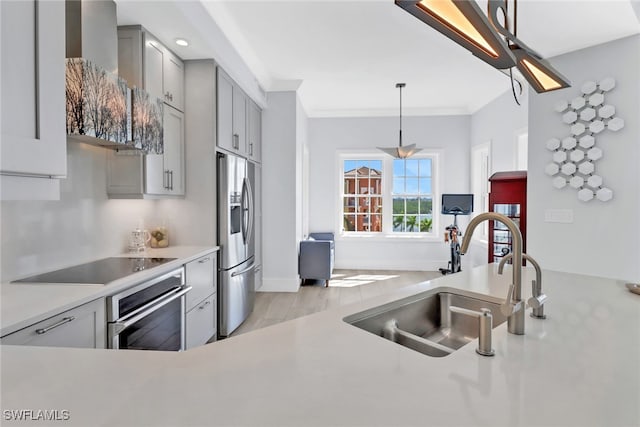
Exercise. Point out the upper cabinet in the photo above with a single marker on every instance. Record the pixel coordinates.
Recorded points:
(255, 132)
(239, 119)
(144, 62)
(33, 98)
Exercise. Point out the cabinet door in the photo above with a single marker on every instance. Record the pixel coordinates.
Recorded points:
(240, 120)
(201, 322)
(33, 131)
(80, 327)
(130, 66)
(200, 275)
(173, 83)
(164, 173)
(153, 66)
(224, 108)
(174, 150)
(255, 132)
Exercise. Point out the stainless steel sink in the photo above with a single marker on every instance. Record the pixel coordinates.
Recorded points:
(424, 323)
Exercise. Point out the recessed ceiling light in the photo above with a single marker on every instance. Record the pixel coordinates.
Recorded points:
(182, 42)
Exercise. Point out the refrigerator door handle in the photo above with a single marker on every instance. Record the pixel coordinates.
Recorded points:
(245, 271)
(250, 211)
(245, 211)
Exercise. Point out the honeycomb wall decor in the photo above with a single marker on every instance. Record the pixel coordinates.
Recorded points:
(574, 157)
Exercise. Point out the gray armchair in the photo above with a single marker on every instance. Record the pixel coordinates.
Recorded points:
(316, 257)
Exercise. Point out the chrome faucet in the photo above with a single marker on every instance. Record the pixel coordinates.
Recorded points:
(537, 300)
(513, 306)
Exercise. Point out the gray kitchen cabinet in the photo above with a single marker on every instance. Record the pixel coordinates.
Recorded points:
(201, 322)
(164, 173)
(239, 119)
(132, 175)
(146, 63)
(80, 327)
(255, 132)
(201, 276)
(33, 153)
(225, 138)
(201, 302)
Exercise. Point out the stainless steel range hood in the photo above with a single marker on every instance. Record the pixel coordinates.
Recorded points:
(99, 103)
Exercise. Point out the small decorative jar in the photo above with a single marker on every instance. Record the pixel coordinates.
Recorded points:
(159, 237)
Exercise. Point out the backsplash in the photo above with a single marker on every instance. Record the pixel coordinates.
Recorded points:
(83, 225)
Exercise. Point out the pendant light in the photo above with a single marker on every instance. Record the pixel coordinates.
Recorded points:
(401, 152)
(463, 22)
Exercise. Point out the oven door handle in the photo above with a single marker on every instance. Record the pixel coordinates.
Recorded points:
(120, 325)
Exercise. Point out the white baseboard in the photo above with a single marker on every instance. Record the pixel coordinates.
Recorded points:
(402, 265)
(280, 285)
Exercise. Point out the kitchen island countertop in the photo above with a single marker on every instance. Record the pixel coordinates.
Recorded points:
(579, 367)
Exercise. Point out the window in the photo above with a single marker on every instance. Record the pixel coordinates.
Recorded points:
(362, 195)
(412, 195)
(386, 196)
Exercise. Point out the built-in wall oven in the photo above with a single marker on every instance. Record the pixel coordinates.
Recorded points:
(149, 316)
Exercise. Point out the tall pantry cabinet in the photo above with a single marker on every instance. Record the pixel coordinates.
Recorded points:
(239, 132)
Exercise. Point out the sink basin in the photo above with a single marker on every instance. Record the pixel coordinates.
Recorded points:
(423, 322)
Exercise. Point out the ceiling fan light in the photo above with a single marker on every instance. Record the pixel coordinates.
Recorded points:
(538, 72)
(463, 22)
(447, 13)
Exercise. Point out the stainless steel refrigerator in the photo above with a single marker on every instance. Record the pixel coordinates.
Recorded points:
(236, 218)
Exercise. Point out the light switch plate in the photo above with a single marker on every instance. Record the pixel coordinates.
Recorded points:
(564, 216)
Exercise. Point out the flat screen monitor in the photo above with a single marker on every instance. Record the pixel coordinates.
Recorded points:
(457, 204)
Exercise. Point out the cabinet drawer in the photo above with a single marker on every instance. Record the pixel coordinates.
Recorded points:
(201, 276)
(201, 322)
(81, 327)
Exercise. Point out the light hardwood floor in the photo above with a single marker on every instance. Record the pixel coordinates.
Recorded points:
(345, 287)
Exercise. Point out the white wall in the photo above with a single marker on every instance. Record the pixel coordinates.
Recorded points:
(603, 239)
(450, 134)
(498, 123)
(84, 225)
(280, 206)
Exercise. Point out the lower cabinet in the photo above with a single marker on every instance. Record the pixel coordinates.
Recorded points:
(81, 327)
(201, 322)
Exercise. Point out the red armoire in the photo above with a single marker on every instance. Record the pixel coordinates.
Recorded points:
(508, 196)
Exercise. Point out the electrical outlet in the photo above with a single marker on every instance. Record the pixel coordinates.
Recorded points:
(564, 216)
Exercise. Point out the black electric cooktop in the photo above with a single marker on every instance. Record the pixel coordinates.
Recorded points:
(99, 272)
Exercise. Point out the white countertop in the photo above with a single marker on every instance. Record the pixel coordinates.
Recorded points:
(579, 367)
(23, 304)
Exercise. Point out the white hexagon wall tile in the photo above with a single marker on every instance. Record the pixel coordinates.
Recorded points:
(575, 155)
(570, 117)
(585, 194)
(576, 181)
(589, 87)
(586, 141)
(552, 169)
(559, 182)
(586, 168)
(568, 143)
(587, 114)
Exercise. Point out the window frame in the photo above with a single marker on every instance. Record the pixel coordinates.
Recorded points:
(480, 186)
(387, 232)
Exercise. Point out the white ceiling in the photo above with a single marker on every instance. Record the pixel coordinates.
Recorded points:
(346, 56)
